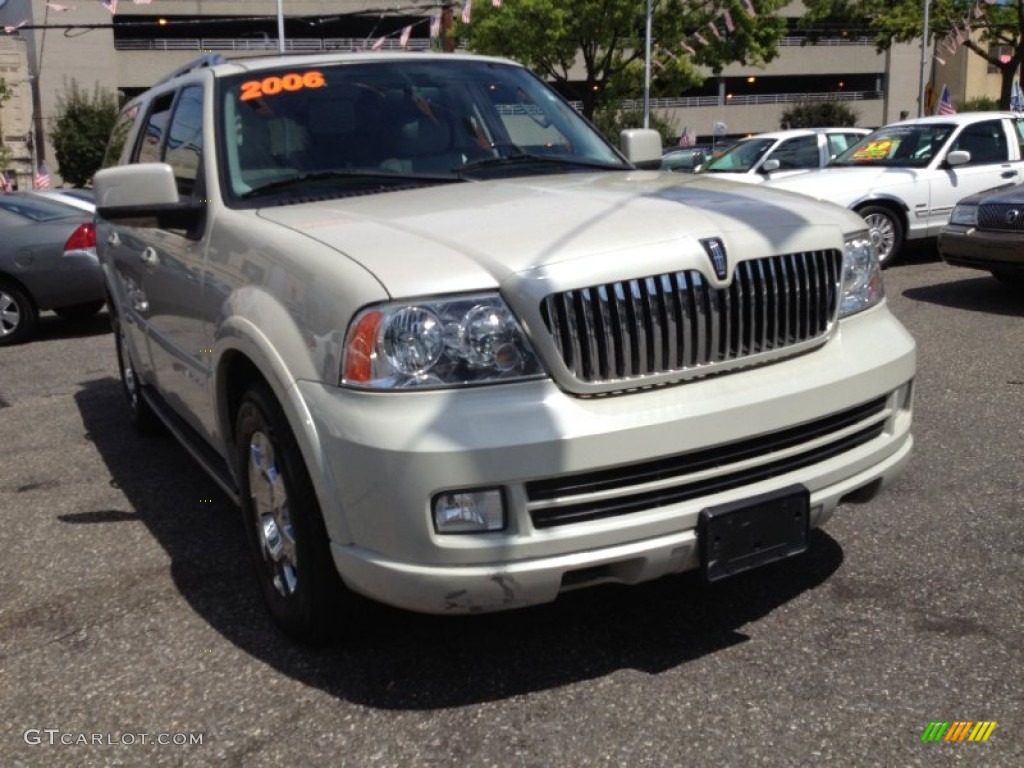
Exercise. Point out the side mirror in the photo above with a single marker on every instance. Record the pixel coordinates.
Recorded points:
(771, 164)
(144, 195)
(958, 157)
(642, 147)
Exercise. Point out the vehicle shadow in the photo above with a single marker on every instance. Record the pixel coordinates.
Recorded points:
(50, 326)
(977, 292)
(399, 660)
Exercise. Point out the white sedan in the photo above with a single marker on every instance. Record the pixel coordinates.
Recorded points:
(905, 178)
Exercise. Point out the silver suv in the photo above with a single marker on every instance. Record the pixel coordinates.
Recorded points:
(449, 349)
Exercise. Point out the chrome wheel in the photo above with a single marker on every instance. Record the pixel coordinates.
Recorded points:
(886, 231)
(10, 314)
(272, 515)
(18, 314)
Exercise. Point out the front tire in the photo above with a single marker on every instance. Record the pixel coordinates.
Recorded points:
(284, 525)
(886, 230)
(18, 315)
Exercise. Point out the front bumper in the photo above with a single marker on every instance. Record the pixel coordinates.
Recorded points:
(983, 249)
(384, 456)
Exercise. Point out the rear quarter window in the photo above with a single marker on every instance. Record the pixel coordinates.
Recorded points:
(119, 135)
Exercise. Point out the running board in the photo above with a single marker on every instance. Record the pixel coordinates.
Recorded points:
(207, 458)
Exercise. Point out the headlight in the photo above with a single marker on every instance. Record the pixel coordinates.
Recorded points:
(445, 342)
(965, 215)
(862, 276)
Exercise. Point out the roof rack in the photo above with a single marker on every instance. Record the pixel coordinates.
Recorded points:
(204, 61)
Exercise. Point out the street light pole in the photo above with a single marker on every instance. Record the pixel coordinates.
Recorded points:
(647, 67)
(280, 26)
(924, 59)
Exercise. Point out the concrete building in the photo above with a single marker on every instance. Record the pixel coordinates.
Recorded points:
(129, 50)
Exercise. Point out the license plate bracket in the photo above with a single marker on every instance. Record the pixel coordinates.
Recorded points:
(742, 535)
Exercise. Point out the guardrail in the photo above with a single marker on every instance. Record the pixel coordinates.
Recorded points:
(314, 44)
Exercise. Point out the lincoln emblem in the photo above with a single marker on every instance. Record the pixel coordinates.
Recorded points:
(715, 250)
(1012, 216)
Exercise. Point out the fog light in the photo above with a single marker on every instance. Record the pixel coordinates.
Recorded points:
(469, 512)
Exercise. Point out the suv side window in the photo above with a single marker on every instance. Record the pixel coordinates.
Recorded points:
(150, 149)
(185, 140)
(119, 135)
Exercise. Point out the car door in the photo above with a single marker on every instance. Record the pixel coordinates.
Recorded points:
(994, 161)
(166, 266)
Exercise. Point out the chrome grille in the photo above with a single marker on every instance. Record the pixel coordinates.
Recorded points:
(678, 321)
(993, 216)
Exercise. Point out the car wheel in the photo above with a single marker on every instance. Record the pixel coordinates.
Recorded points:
(18, 315)
(284, 525)
(886, 232)
(79, 311)
(142, 416)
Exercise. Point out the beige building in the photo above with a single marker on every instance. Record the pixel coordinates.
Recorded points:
(126, 52)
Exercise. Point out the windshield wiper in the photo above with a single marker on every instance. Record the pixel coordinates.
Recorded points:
(383, 178)
(528, 158)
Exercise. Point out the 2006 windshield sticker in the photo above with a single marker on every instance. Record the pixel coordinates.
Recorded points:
(273, 85)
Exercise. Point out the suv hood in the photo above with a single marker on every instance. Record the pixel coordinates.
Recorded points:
(475, 235)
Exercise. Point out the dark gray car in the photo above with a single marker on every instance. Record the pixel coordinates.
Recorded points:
(986, 231)
(47, 261)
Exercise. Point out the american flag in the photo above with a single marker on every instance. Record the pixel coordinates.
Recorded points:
(945, 103)
(42, 177)
(110, 5)
(467, 11)
(435, 27)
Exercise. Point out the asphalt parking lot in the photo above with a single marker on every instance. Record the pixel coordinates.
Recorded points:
(132, 634)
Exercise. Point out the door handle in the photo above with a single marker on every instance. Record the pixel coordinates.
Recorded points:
(1008, 174)
(149, 256)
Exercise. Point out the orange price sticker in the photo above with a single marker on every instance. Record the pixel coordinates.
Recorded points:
(876, 150)
(275, 84)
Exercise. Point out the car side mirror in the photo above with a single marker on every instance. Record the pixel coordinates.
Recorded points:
(769, 165)
(958, 157)
(642, 147)
(145, 195)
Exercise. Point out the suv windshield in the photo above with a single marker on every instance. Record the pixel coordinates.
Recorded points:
(740, 157)
(902, 146)
(350, 128)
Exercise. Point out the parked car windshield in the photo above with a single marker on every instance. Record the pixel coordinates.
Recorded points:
(740, 157)
(352, 126)
(903, 146)
(36, 208)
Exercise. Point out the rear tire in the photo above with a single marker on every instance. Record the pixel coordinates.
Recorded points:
(18, 315)
(284, 524)
(886, 232)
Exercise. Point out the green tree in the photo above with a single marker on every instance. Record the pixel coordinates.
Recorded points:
(818, 114)
(604, 41)
(80, 131)
(900, 21)
(611, 121)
